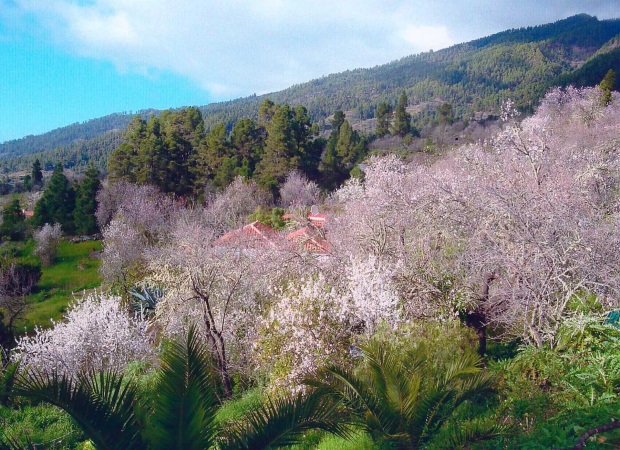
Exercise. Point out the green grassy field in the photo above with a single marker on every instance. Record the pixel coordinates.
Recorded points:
(72, 273)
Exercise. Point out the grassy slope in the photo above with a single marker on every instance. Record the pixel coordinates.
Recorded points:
(72, 273)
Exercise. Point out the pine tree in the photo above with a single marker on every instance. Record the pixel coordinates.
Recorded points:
(57, 203)
(37, 175)
(280, 156)
(444, 114)
(382, 114)
(607, 86)
(86, 203)
(248, 140)
(331, 163)
(123, 160)
(402, 119)
(150, 155)
(13, 222)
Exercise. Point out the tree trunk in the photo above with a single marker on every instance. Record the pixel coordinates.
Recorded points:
(477, 318)
(581, 443)
(217, 344)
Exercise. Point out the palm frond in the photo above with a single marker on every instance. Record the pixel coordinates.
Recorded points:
(101, 404)
(186, 401)
(463, 434)
(10, 443)
(354, 393)
(283, 422)
(7, 381)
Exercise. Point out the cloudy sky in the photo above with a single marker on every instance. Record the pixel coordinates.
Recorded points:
(65, 61)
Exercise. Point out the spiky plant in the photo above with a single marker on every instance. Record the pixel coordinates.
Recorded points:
(179, 412)
(404, 399)
(145, 300)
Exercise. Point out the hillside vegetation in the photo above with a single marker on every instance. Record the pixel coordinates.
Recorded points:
(474, 77)
(470, 299)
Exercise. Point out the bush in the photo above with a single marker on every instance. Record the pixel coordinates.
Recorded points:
(47, 238)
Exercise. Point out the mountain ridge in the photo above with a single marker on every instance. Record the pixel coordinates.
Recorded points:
(475, 77)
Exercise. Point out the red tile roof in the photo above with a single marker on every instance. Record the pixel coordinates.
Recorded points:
(318, 220)
(255, 234)
(258, 235)
(310, 238)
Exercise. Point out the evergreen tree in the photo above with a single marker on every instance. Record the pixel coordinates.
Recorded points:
(337, 121)
(27, 182)
(213, 152)
(382, 114)
(183, 131)
(266, 111)
(37, 174)
(331, 167)
(150, 157)
(307, 149)
(402, 119)
(57, 203)
(280, 156)
(86, 203)
(123, 161)
(248, 140)
(444, 114)
(607, 86)
(13, 222)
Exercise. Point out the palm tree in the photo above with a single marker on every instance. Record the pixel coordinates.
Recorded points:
(181, 413)
(404, 400)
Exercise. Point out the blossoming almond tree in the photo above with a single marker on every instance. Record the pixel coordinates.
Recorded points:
(97, 335)
(220, 286)
(511, 232)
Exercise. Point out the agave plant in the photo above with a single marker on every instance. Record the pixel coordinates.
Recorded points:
(179, 413)
(145, 301)
(404, 400)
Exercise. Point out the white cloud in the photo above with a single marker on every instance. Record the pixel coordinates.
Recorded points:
(239, 47)
(427, 37)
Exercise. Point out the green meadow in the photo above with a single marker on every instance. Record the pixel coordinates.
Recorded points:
(72, 274)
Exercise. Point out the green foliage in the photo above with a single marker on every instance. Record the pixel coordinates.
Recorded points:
(284, 421)
(179, 412)
(402, 119)
(553, 396)
(160, 152)
(404, 396)
(43, 425)
(57, 203)
(8, 373)
(37, 175)
(282, 152)
(235, 409)
(185, 398)
(382, 114)
(272, 218)
(345, 148)
(72, 272)
(174, 153)
(86, 203)
(101, 404)
(13, 226)
(607, 86)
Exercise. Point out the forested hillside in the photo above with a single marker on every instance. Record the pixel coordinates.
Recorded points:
(473, 77)
(65, 135)
(468, 299)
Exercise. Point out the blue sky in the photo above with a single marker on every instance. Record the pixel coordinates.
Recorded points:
(66, 61)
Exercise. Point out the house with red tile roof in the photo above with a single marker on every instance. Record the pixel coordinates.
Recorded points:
(255, 234)
(258, 235)
(309, 238)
